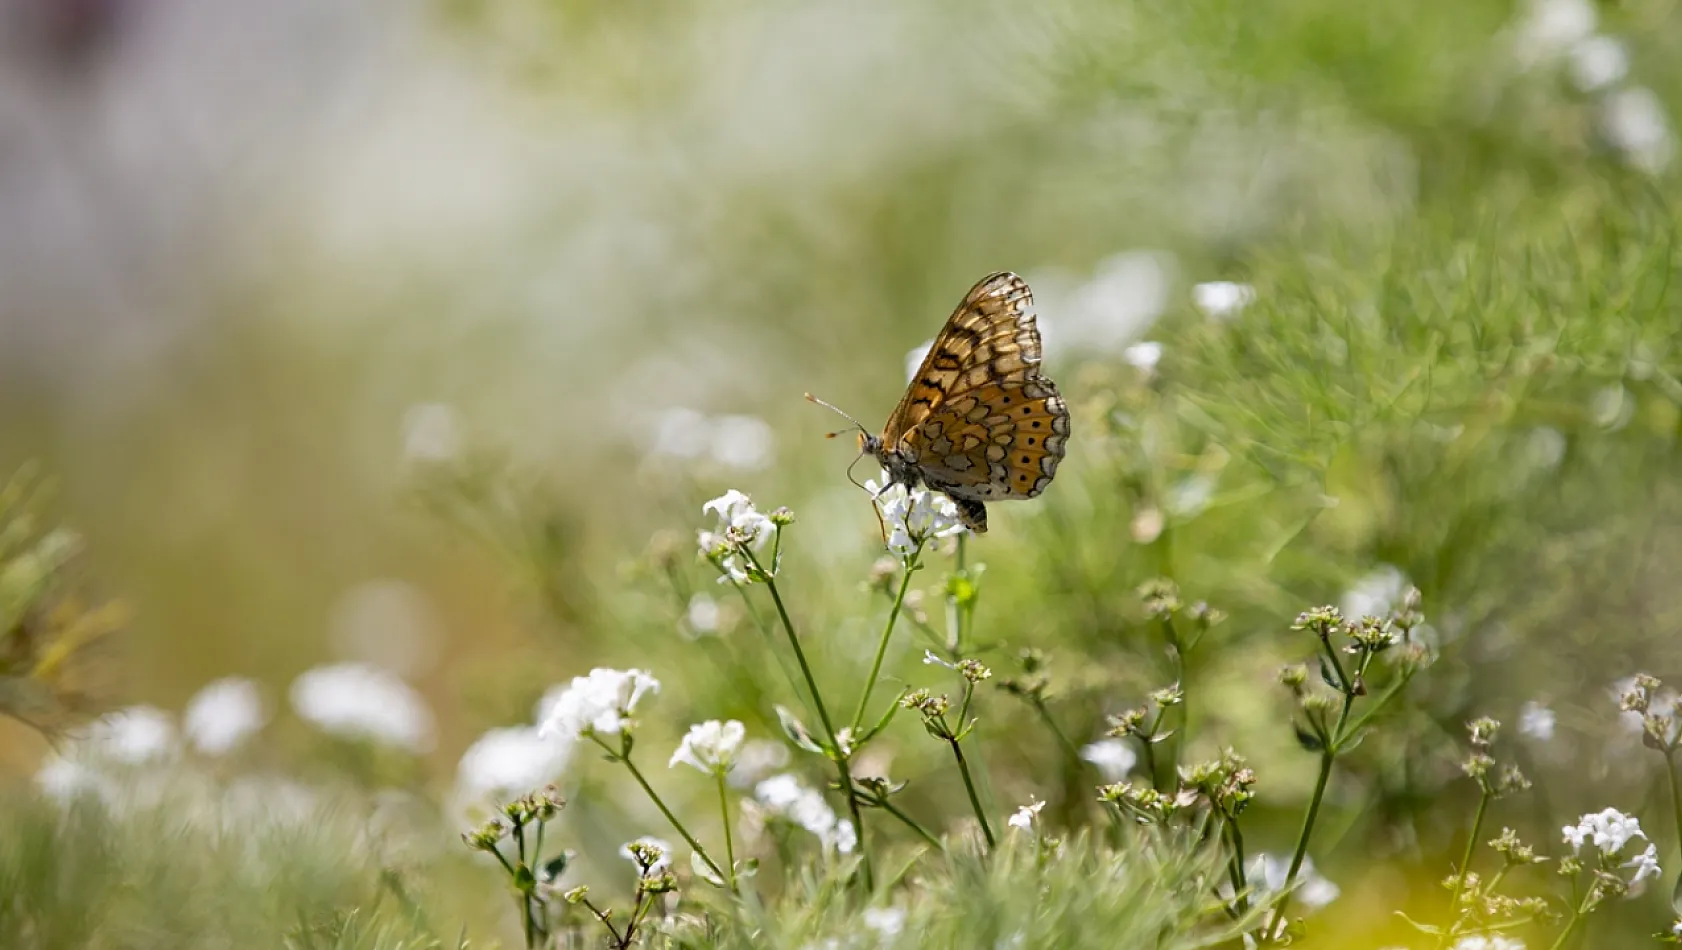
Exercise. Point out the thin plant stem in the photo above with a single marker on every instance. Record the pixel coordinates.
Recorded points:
(1465, 865)
(1675, 792)
(969, 786)
(910, 822)
(1327, 755)
(636, 773)
(528, 919)
(724, 812)
(607, 922)
(1240, 885)
(841, 755)
(1570, 928)
(910, 567)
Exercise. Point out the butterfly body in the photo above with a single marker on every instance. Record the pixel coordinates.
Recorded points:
(978, 422)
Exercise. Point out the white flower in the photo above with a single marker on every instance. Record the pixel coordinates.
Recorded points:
(510, 761)
(133, 736)
(914, 358)
(710, 746)
(757, 758)
(1536, 721)
(1635, 123)
(1267, 872)
(1376, 594)
(1598, 62)
(681, 433)
(1552, 26)
(223, 714)
(742, 442)
(785, 797)
(1143, 356)
(1480, 942)
(738, 523)
(431, 433)
(1026, 815)
(913, 517)
(702, 614)
(1646, 865)
(359, 701)
(63, 779)
(886, 921)
(930, 659)
(1113, 758)
(1607, 830)
(600, 703)
(1220, 299)
(653, 851)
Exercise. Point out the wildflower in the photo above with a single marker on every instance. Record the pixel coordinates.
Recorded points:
(1026, 815)
(702, 614)
(222, 715)
(710, 746)
(913, 517)
(511, 760)
(598, 704)
(742, 442)
(784, 797)
(1646, 865)
(914, 358)
(757, 758)
(1608, 830)
(1633, 119)
(1143, 356)
(431, 433)
(887, 922)
(1113, 758)
(359, 701)
(740, 526)
(1597, 62)
(651, 855)
(1220, 299)
(1267, 873)
(1536, 721)
(931, 659)
(133, 736)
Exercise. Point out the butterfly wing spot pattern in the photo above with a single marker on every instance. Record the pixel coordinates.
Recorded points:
(978, 422)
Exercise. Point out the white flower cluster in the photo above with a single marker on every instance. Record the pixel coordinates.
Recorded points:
(1220, 299)
(739, 523)
(222, 715)
(913, 518)
(650, 847)
(598, 704)
(710, 746)
(732, 441)
(1113, 758)
(1493, 942)
(360, 701)
(1025, 816)
(1267, 872)
(510, 761)
(1608, 832)
(785, 797)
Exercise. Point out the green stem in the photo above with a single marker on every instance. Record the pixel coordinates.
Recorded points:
(528, 920)
(1240, 885)
(1460, 874)
(607, 922)
(724, 812)
(841, 755)
(636, 773)
(1050, 723)
(969, 786)
(1327, 756)
(1570, 928)
(1675, 793)
(887, 633)
(909, 822)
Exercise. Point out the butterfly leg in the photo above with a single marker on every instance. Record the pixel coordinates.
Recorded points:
(973, 514)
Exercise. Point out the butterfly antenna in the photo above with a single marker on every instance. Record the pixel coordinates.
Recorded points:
(855, 422)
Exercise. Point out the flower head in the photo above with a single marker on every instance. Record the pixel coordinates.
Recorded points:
(359, 701)
(651, 855)
(1536, 721)
(1607, 830)
(1646, 865)
(784, 797)
(1113, 758)
(913, 518)
(509, 761)
(1220, 299)
(1026, 815)
(710, 746)
(740, 527)
(598, 704)
(223, 714)
(133, 736)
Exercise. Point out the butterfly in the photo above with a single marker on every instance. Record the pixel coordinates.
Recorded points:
(978, 422)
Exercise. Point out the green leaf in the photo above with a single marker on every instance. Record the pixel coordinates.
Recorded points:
(524, 881)
(882, 723)
(1307, 739)
(797, 732)
(703, 871)
(1431, 929)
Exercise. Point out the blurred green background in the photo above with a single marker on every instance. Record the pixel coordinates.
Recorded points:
(260, 261)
